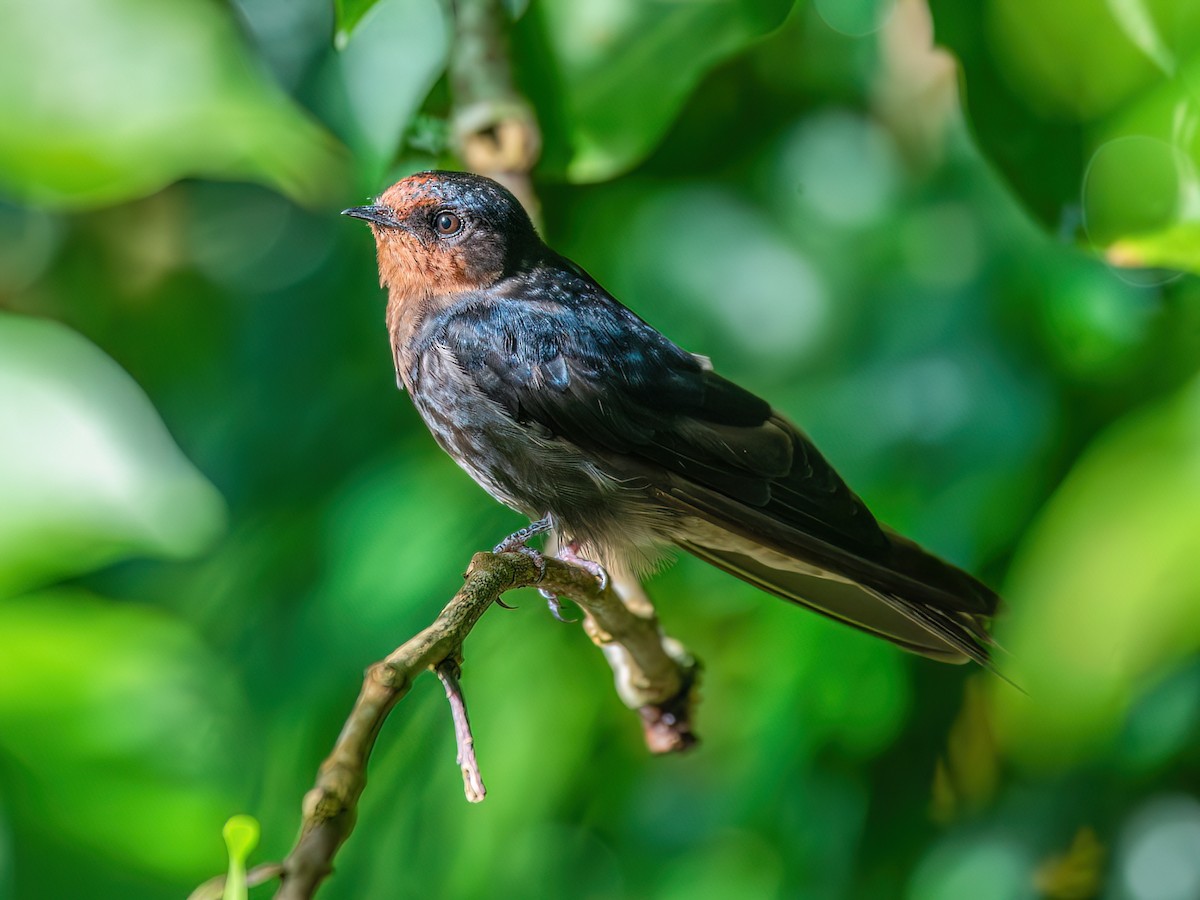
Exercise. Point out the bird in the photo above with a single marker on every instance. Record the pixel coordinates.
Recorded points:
(570, 409)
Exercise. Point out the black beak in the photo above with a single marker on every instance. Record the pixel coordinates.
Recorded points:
(380, 215)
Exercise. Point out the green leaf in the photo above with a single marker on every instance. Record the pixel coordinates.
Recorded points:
(1089, 111)
(387, 65)
(105, 100)
(609, 76)
(1105, 593)
(88, 472)
(118, 721)
(349, 13)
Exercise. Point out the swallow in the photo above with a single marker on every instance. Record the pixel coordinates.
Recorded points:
(570, 409)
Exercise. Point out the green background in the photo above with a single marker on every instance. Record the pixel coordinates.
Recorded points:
(216, 509)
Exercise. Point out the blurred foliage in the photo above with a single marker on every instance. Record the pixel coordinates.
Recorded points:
(1074, 574)
(1098, 94)
(787, 189)
(87, 470)
(607, 77)
(400, 43)
(109, 99)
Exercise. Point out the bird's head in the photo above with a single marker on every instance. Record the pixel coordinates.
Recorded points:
(441, 233)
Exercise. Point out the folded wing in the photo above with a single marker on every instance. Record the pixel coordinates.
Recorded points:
(753, 495)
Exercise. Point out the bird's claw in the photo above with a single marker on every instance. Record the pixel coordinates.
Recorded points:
(516, 543)
(569, 554)
(555, 606)
(595, 570)
(539, 561)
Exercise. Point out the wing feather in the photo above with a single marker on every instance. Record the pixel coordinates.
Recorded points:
(592, 373)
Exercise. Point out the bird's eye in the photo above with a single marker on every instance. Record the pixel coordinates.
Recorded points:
(447, 223)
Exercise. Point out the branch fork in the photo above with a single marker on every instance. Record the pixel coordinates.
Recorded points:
(653, 674)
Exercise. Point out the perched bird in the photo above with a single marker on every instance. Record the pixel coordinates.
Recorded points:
(569, 408)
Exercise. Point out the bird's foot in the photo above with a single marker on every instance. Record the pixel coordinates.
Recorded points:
(535, 556)
(569, 553)
(552, 601)
(517, 543)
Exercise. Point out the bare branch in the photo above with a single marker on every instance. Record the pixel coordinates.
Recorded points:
(448, 671)
(654, 675)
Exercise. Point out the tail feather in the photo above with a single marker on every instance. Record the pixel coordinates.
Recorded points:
(945, 635)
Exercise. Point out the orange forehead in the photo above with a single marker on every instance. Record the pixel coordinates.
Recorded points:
(422, 189)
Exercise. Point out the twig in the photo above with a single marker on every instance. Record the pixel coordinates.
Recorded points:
(653, 675)
(448, 671)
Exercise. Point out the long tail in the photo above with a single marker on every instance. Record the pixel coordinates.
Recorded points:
(912, 619)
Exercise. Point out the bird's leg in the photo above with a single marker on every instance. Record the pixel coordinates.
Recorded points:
(569, 553)
(517, 542)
